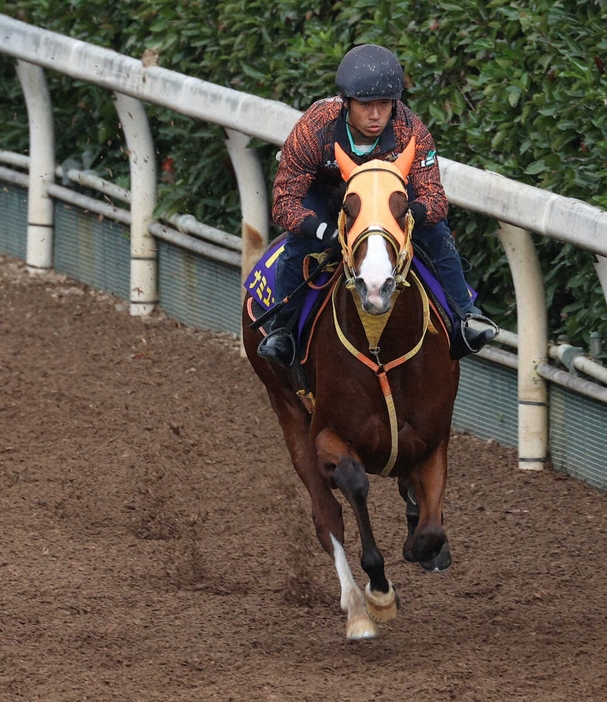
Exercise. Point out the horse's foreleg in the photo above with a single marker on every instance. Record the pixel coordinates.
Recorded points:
(360, 625)
(295, 424)
(427, 540)
(327, 516)
(328, 521)
(351, 479)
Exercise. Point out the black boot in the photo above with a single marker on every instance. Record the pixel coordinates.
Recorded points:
(279, 345)
(476, 339)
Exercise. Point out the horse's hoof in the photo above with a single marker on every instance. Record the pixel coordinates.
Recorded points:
(427, 547)
(361, 628)
(381, 606)
(440, 562)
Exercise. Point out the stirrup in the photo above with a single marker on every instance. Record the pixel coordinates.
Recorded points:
(483, 336)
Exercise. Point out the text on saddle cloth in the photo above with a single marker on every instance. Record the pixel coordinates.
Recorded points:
(261, 285)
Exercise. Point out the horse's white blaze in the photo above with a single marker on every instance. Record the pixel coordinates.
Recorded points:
(375, 268)
(360, 625)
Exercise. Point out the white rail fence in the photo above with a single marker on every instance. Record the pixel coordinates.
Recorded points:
(520, 209)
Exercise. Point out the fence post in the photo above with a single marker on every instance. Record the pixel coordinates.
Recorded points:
(253, 198)
(532, 346)
(253, 202)
(142, 160)
(40, 211)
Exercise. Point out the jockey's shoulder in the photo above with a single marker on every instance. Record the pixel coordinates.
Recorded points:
(321, 115)
(406, 114)
(327, 107)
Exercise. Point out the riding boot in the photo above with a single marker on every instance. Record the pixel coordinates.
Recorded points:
(279, 345)
(439, 245)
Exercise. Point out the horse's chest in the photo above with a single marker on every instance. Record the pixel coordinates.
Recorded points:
(359, 411)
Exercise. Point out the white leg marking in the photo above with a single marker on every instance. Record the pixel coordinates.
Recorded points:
(360, 625)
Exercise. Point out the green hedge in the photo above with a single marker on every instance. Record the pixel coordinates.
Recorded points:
(518, 87)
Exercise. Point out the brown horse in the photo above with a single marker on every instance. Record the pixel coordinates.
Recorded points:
(383, 388)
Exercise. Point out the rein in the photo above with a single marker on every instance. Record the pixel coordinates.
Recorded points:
(381, 369)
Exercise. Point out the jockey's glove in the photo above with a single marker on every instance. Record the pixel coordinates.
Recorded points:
(329, 235)
(419, 212)
(314, 228)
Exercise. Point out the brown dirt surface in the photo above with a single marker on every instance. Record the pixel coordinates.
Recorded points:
(156, 543)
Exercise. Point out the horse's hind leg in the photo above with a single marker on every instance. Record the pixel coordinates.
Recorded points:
(426, 539)
(442, 560)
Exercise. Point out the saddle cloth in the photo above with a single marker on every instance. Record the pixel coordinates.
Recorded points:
(261, 285)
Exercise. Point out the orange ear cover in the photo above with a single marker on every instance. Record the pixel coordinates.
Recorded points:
(405, 160)
(345, 163)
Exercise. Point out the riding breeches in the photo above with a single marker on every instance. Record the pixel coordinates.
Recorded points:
(437, 242)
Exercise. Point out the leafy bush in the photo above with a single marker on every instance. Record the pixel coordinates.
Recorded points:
(514, 86)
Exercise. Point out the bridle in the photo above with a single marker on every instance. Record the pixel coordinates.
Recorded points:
(376, 217)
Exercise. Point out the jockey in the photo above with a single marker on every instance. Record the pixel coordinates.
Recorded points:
(369, 121)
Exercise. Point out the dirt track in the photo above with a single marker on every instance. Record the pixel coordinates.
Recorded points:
(156, 543)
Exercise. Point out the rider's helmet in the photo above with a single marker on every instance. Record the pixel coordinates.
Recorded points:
(369, 72)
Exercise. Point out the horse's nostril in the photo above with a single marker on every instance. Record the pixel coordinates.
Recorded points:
(388, 287)
(361, 286)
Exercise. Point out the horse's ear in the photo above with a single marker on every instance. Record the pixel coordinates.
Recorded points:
(405, 160)
(345, 163)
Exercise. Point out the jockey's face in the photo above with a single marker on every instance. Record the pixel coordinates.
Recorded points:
(369, 118)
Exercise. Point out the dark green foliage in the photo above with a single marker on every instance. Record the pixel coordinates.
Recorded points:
(514, 86)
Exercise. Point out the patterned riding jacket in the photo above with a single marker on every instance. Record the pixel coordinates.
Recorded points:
(308, 166)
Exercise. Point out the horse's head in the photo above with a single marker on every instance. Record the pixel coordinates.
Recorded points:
(375, 226)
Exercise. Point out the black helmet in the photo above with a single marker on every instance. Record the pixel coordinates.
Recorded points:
(369, 72)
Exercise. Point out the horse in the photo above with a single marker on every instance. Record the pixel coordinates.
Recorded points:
(382, 387)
